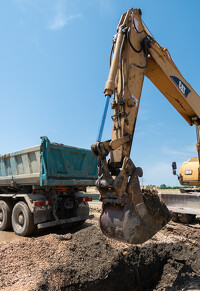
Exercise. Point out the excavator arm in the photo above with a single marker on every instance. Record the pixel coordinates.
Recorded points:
(127, 214)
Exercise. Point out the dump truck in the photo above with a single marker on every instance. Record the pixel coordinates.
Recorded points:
(44, 186)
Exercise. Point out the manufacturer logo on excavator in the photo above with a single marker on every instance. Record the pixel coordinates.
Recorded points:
(188, 172)
(182, 87)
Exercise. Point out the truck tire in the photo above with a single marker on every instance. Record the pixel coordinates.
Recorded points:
(5, 215)
(186, 218)
(22, 220)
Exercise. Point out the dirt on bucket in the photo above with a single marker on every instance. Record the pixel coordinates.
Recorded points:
(154, 205)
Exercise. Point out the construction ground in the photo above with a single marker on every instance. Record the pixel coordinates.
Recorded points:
(84, 259)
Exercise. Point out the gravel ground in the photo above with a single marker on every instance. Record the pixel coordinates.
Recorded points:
(84, 259)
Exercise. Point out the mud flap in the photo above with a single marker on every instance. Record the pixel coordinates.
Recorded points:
(136, 221)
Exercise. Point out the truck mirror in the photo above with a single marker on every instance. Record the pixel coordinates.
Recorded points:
(174, 167)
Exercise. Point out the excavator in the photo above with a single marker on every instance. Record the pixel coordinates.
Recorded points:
(189, 172)
(185, 206)
(127, 214)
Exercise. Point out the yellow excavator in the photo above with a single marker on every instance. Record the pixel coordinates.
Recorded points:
(190, 170)
(185, 206)
(127, 214)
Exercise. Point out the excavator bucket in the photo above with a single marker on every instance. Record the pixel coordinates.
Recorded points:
(136, 221)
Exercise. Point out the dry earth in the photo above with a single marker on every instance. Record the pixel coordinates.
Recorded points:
(84, 259)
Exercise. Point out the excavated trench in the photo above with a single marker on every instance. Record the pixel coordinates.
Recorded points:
(153, 266)
(163, 263)
(86, 260)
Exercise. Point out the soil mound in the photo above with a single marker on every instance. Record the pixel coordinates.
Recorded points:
(87, 260)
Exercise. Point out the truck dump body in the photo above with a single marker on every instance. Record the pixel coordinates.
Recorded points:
(49, 164)
(43, 186)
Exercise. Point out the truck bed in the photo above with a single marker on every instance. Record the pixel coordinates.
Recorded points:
(49, 164)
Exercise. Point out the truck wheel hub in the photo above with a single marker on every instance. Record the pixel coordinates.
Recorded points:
(21, 219)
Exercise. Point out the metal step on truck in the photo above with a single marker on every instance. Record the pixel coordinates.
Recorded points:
(44, 186)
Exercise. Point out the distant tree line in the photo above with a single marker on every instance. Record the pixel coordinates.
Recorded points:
(164, 186)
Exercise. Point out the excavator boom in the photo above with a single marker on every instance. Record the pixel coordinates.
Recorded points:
(164, 74)
(127, 214)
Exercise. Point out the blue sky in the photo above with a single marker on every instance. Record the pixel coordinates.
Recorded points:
(54, 62)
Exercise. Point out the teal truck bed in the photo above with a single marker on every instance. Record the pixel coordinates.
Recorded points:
(49, 164)
(44, 186)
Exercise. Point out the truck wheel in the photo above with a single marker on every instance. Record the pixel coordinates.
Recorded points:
(187, 218)
(22, 220)
(5, 215)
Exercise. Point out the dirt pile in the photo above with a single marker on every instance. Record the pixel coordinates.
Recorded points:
(155, 206)
(87, 260)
